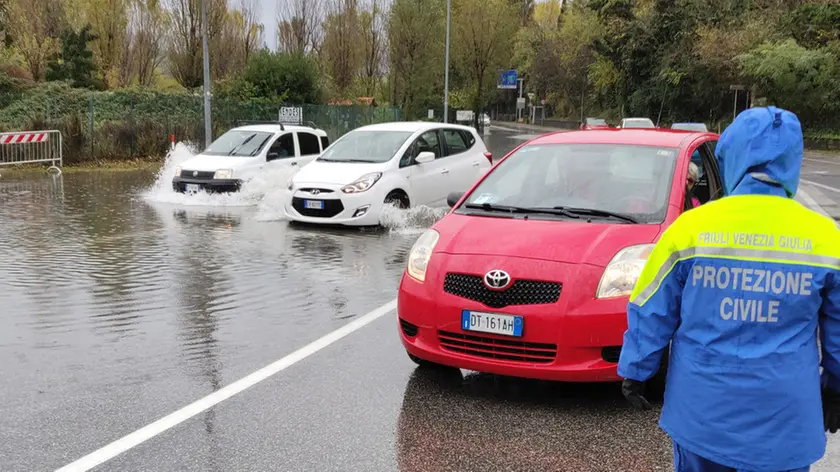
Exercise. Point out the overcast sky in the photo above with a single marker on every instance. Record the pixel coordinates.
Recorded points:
(268, 14)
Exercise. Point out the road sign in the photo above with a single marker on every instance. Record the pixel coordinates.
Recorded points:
(736, 87)
(431, 114)
(542, 102)
(507, 79)
(531, 96)
(520, 103)
(463, 115)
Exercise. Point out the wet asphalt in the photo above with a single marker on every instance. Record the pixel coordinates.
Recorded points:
(117, 311)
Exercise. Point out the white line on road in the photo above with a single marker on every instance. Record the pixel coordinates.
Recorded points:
(822, 186)
(811, 159)
(147, 432)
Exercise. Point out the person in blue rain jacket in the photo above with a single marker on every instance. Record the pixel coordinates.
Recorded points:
(736, 290)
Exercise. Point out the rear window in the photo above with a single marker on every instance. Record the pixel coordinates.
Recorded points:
(308, 143)
(325, 142)
(629, 179)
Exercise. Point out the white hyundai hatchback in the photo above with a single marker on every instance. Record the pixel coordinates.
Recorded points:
(406, 164)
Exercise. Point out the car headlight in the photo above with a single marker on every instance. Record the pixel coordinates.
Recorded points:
(178, 171)
(421, 252)
(362, 183)
(623, 271)
(223, 174)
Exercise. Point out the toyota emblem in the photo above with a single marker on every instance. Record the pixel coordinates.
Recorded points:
(314, 191)
(497, 280)
(195, 173)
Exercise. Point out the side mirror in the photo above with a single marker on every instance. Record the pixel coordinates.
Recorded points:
(453, 198)
(424, 157)
(273, 155)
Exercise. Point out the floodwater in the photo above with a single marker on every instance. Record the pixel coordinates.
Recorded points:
(123, 302)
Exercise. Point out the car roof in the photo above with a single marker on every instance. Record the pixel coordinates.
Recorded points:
(639, 136)
(413, 126)
(637, 119)
(272, 128)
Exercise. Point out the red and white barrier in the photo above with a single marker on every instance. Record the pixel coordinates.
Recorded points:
(16, 138)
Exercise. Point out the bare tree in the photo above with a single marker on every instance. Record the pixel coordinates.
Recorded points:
(340, 50)
(251, 30)
(147, 32)
(373, 36)
(298, 25)
(185, 53)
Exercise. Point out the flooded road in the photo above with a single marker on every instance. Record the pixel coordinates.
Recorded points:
(122, 303)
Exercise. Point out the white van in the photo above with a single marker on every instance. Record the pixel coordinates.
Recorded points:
(245, 152)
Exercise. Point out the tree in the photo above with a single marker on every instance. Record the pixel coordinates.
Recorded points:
(35, 26)
(483, 31)
(109, 26)
(340, 49)
(147, 30)
(415, 48)
(75, 61)
(297, 26)
(280, 75)
(372, 47)
(185, 48)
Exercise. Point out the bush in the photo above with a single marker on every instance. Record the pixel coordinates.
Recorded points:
(284, 77)
(134, 123)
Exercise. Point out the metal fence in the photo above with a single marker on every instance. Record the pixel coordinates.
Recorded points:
(130, 124)
(30, 147)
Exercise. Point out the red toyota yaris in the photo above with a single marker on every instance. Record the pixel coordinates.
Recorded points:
(530, 272)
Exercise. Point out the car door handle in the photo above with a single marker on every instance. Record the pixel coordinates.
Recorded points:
(444, 171)
(476, 164)
(293, 163)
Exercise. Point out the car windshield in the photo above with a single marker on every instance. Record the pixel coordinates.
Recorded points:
(366, 146)
(239, 143)
(638, 123)
(596, 122)
(690, 126)
(589, 180)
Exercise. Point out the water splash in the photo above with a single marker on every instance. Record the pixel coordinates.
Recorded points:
(411, 221)
(269, 186)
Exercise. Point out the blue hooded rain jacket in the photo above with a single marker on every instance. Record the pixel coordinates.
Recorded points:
(738, 288)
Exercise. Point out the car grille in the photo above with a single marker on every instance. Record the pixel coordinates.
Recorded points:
(521, 292)
(498, 348)
(409, 329)
(320, 190)
(202, 174)
(331, 208)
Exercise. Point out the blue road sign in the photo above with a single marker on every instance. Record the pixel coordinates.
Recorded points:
(507, 79)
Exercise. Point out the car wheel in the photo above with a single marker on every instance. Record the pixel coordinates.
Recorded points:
(397, 199)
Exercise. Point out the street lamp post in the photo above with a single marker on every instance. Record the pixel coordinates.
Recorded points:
(208, 128)
(446, 73)
(736, 89)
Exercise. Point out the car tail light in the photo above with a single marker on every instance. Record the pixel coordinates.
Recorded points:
(489, 156)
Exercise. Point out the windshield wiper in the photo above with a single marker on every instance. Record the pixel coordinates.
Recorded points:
(515, 209)
(595, 212)
(243, 143)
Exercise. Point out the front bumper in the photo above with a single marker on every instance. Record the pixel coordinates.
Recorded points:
(362, 209)
(576, 339)
(179, 184)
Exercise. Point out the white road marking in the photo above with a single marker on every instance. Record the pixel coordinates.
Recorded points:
(819, 185)
(811, 159)
(149, 431)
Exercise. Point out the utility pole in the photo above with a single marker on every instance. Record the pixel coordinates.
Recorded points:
(446, 75)
(208, 125)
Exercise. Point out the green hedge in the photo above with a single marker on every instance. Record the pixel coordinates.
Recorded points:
(137, 123)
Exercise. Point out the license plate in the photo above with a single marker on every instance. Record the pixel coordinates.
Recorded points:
(193, 188)
(313, 204)
(509, 325)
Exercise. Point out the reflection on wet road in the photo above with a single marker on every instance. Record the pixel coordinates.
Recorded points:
(117, 311)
